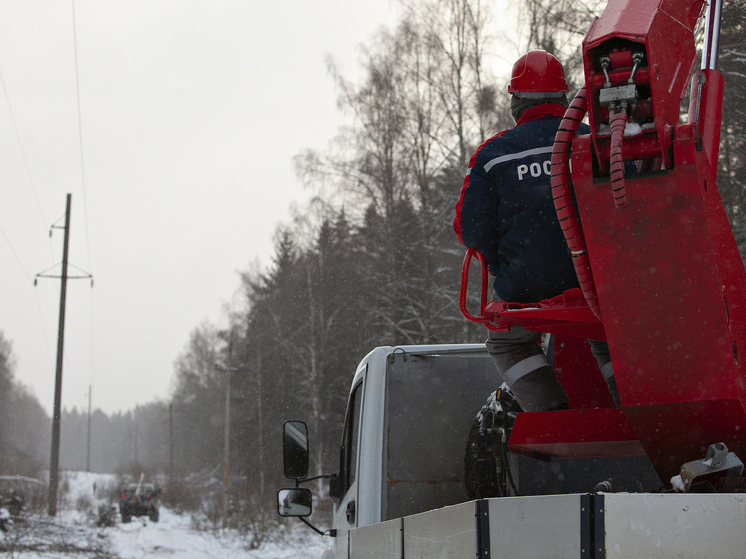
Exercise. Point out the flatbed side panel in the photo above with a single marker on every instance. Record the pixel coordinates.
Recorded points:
(531, 527)
(447, 533)
(377, 541)
(685, 526)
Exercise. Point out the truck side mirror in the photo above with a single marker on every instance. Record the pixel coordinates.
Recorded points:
(294, 502)
(295, 450)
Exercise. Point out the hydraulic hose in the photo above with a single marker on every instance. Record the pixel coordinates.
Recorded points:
(563, 199)
(617, 123)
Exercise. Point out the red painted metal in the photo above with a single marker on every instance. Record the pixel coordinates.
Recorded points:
(472, 253)
(645, 146)
(662, 31)
(663, 269)
(671, 291)
(566, 314)
(574, 434)
(578, 373)
(706, 109)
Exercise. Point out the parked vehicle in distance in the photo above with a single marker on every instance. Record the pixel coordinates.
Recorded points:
(139, 499)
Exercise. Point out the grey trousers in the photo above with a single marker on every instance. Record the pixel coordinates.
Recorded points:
(525, 369)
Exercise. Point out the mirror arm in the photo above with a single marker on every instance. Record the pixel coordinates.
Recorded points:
(324, 476)
(330, 533)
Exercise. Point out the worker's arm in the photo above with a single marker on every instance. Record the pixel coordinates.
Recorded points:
(476, 214)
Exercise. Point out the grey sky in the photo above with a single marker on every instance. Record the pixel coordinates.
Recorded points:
(191, 114)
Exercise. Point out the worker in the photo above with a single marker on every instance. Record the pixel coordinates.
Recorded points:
(506, 211)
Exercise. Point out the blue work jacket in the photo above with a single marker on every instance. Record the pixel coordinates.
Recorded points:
(506, 209)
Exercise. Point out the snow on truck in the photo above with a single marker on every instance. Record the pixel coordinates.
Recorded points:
(661, 280)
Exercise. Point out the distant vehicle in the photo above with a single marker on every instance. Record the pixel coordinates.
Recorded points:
(139, 499)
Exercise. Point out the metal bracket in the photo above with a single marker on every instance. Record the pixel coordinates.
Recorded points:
(717, 459)
(621, 93)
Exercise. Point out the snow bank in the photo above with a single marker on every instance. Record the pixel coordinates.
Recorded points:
(72, 534)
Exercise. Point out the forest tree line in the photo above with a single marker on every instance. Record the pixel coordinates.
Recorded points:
(372, 260)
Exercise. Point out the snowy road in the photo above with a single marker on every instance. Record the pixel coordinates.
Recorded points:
(73, 535)
(171, 537)
(174, 537)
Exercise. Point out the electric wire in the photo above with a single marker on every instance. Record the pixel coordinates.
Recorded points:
(82, 180)
(80, 139)
(36, 293)
(15, 254)
(23, 151)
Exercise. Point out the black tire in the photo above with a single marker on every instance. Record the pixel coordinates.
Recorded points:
(154, 515)
(484, 449)
(126, 518)
(480, 467)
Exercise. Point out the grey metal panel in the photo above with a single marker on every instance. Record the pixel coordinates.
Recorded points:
(531, 527)
(447, 533)
(377, 541)
(685, 526)
(431, 405)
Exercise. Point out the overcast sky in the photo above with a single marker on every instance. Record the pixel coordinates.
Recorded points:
(191, 113)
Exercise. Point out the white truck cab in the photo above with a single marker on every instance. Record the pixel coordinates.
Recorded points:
(408, 418)
(400, 489)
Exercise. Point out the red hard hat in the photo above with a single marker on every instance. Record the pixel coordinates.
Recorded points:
(537, 71)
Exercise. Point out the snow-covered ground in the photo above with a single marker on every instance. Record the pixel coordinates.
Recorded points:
(73, 534)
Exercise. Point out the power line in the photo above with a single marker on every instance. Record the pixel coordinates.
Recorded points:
(36, 294)
(82, 180)
(23, 152)
(80, 139)
(15, 254)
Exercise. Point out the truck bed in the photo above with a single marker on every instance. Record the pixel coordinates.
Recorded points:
(624, 525)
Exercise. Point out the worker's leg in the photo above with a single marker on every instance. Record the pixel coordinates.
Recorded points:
(600, 351)
(525, 369)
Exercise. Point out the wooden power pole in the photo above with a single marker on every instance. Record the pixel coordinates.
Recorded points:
(170, 444)
(54, 462)
(88, 446)
(226, 428)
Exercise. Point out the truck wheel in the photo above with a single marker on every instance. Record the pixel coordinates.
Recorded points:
(126, 517)
(480, 467)
(154, 515)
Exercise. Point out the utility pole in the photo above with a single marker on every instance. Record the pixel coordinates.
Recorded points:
(226, 444)
(54, 463)
(170, 444)
(226, 429)
(54, 459)
(259, 420)
(88, 452)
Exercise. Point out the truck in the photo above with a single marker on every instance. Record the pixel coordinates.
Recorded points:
(661, 280)
(139, 499)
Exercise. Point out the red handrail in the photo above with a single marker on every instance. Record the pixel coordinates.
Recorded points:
(471, 253)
